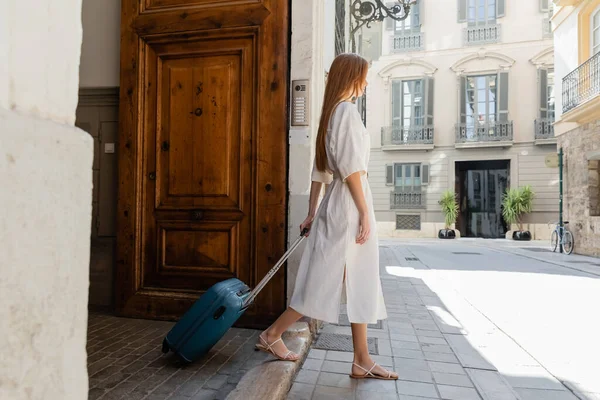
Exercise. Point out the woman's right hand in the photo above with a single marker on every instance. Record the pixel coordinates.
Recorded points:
(364, 230)
(307, 224)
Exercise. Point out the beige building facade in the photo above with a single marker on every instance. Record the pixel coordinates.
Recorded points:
(463, 100)
(577, 52)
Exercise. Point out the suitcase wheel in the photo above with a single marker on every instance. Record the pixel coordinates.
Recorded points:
(165, 346)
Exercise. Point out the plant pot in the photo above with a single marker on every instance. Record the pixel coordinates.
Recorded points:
(521, 235)
(446, 234)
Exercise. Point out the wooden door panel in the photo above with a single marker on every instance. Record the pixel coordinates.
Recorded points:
(195, 257)
(194, 19)
(200, 132)
(202, 156)
(164, 4)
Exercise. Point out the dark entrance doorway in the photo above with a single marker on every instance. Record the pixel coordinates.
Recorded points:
(480, 186)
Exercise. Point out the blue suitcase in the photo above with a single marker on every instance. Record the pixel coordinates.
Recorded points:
(203, 325)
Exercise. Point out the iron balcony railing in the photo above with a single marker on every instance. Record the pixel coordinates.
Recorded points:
(400, 136)
(582, 84)
(407, 200)
(484, 132)
(482, 34)
(544, 128)
(407, 42)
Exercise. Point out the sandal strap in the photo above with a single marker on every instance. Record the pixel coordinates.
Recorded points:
(372, 368)
(367, 371)
(269, 346)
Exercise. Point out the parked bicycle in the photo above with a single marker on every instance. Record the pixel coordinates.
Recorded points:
(560, 235)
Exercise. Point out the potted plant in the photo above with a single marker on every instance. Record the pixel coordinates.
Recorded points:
(515, 204)
(450, 209)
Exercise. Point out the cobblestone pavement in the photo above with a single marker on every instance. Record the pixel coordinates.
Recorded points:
(435, 355)
(125, 362)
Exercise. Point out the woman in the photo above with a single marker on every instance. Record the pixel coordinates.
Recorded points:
(342, 247)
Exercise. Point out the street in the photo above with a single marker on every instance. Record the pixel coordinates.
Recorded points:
(520, 320)
(545, 308)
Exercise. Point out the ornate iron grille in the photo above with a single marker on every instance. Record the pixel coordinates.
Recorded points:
(340, 27)
(408, 222)
(407, 42)
(488, 132)
(582, 84)
(476, 35)
(407, 200)
(544, 128)
(398, 136)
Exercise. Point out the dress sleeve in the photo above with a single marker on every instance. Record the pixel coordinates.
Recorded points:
(349, 142)
(319, 176)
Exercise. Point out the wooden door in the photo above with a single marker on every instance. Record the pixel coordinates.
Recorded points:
(203, 154)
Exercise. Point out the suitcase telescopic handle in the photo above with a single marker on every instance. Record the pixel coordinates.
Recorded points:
(274, 270)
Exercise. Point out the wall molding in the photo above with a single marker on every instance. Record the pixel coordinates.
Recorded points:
(93, 97)
(505, 61)
(544, 59)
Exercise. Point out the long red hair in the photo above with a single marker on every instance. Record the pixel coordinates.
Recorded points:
(347, 76)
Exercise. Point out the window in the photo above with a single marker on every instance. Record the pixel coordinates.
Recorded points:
(550, 95)
(484, 108)
(546, 84)
(481, 104)
(595, 32)
(410, 25)
(407, 177)
(407, 104)
(481, 12)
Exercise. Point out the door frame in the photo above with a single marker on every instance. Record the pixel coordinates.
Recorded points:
(269, 148)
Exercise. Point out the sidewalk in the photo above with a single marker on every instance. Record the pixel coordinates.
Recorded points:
(125, 362)
(435, 355)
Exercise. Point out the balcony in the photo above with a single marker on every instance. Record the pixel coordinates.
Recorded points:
(580, 92)
(414, 138)
(544, 131)
(483, 34)
(493, 134)
(407, 200)
(407, 42)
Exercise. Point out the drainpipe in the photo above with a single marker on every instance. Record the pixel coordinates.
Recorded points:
(560, 192)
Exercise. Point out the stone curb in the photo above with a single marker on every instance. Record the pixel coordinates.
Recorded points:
(272, 379)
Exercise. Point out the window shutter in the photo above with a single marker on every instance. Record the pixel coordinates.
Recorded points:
(503, 97)
(397, 103)
(463, 100)
(389, 175)
(390, 23)
(416, 16)
(543, 91)
(428, 90)
(424, 174)
(462, 10)
(544, 6)
(500, 8)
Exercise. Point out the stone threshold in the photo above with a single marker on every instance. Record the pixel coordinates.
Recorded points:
(273, 379)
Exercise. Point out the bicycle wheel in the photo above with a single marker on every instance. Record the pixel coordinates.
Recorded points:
(569, 243)
(554, 240)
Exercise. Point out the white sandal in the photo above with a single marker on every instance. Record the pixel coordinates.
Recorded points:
(370, 375)
(268, 348)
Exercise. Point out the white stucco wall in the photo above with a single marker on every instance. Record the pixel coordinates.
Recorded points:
(312, 53)
(45, 201)
(101, 43)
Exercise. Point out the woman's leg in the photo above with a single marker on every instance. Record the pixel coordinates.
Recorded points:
(361, 353)
(274, 332)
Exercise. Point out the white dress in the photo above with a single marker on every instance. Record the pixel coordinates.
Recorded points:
(332, 240)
